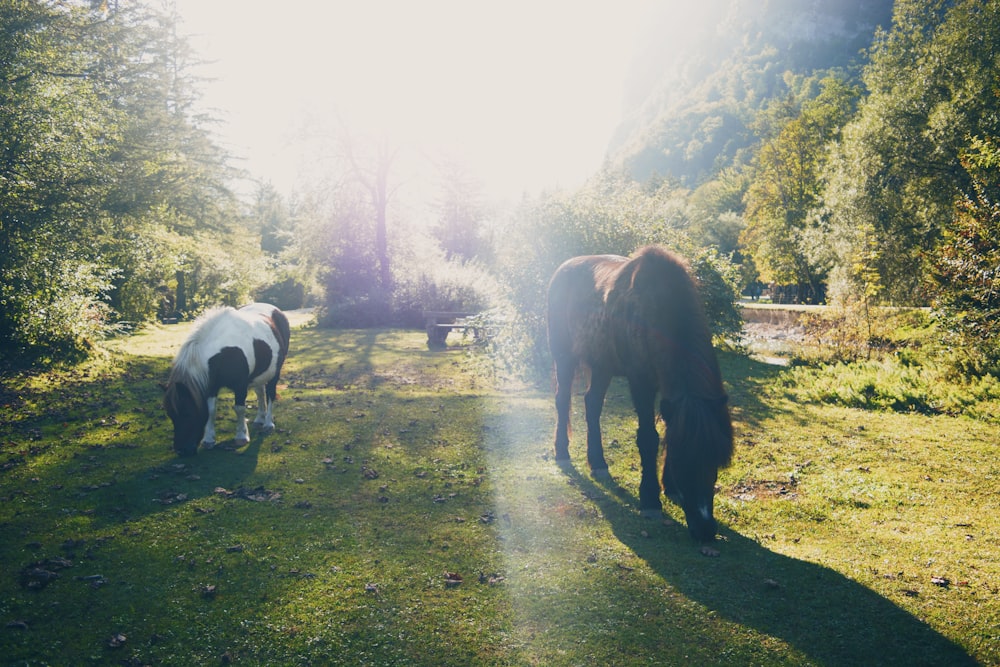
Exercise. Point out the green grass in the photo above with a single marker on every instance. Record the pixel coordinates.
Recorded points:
(328, 541)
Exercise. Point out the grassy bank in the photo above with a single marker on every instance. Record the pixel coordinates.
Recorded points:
(406, 511)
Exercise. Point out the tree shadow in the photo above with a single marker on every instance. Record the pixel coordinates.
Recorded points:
(817, 610)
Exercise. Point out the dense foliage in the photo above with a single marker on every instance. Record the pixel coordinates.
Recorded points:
(113, 203)
(968, 264)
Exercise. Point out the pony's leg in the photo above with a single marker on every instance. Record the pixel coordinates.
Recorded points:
(240, 408)
(208, 440)
(565, 370)
(594, 403)
(263, 408)
(648, 441)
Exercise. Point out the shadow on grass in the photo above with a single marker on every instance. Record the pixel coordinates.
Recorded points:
(747, 381)
(818, 611)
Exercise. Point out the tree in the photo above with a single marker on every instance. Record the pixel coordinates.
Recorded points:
(784, 193)
(898, 169)
(458, 227)
(105, 170)
(54, 140)
(966, 265)
(372, 173)
(271, 216)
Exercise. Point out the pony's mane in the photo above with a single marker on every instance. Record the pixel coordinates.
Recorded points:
(696, 419)
(666, 299)
(190, 366)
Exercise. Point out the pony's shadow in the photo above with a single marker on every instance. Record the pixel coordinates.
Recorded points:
(181, 479)
(820, 612)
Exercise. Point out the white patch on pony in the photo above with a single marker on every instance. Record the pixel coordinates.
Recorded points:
(265, 411)
(705, 512)
(242, 436)
(208, 440)
(215, 330)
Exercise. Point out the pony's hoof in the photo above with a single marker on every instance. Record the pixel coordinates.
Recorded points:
(208, 444)
(261, 427)
(241, 442)
(600, 473)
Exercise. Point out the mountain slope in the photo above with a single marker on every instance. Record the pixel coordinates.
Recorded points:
(699, 84)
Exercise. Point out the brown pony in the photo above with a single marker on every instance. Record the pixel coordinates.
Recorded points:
(641, 317)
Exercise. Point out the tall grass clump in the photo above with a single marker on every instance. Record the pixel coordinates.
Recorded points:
(894, 361)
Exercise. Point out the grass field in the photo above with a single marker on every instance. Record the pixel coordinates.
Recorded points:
(408, 512)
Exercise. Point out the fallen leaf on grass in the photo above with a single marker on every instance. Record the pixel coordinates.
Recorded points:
(772, 584)
(371, 588)
(452, 579)
(709, 551)
(943, 582)
(17, 625)
(170, 497)
(117, 640)
(96, 580)
(258, 494)
(40, 574)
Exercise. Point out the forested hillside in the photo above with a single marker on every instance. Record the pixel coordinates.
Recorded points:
(700, 91)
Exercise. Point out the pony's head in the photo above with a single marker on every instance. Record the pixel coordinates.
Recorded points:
(189, 414)
(698, 441)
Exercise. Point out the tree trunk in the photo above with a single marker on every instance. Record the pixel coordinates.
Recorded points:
(180, 302)
(380, 194)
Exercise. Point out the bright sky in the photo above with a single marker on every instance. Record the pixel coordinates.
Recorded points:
(525, 93)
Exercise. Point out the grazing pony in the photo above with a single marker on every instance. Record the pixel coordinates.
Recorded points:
(236, 349)
(641, 317)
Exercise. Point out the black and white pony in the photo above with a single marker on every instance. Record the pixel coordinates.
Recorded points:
(236, 349)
